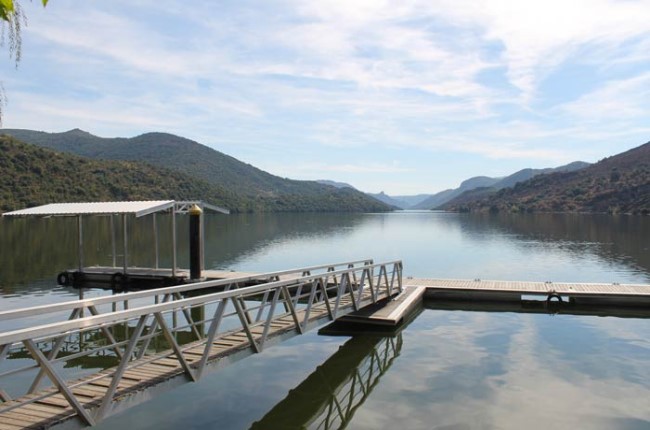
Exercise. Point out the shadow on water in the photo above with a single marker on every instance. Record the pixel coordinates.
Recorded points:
(540, 307)
(329, 397)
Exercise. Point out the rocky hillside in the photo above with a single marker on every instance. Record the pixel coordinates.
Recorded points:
(485, 185)
(618, 184)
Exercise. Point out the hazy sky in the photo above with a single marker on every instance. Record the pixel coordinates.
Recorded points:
(400, 96)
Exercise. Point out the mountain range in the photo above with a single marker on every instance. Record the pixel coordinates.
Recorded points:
(489, 185)
(617, 184)
(209, 173)
(401, 202)
(485, 183)
(76, 165)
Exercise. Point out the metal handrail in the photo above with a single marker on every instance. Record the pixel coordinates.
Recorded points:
(119, 316)
(96, 301)
(329, 295)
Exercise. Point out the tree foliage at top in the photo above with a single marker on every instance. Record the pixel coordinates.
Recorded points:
(12, 19)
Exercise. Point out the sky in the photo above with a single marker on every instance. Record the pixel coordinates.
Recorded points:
(404, 97)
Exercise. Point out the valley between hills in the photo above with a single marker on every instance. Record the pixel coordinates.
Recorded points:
(39, 167)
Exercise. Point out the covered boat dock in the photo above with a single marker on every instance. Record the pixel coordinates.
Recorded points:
(118, 276)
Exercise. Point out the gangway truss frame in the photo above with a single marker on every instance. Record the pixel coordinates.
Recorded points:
(149, 346)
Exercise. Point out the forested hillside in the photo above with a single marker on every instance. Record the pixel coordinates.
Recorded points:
(32, 176)
(618, 184)
(187, 156)
(483, 186)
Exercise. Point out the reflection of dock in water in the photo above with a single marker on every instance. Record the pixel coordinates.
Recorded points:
(540, 307)
(330, 396)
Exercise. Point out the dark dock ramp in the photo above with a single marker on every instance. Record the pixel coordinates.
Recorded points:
(391, 313)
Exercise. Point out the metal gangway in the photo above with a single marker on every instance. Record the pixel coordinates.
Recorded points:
(88, 359)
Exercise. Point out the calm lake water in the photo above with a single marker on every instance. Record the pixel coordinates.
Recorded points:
(447, 369)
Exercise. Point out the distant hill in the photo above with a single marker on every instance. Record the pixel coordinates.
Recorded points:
(385, 198)
(485, 185)
(437, 199)
(334, 183)
(618, 184)
(255, 189)
(446, 195)
(31, 176)
(409, 202)
(401, 202)
(526, 174)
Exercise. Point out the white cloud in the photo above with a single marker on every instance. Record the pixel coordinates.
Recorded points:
(538, 36)
(624, 99)
(460, 76)
(361, 167)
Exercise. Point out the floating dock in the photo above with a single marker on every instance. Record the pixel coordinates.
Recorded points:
(483, 294)
(123, 276)
(584, 293)
(137, 278)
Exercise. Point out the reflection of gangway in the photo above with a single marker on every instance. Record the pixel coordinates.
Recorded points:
(219, 328)
(328, 398)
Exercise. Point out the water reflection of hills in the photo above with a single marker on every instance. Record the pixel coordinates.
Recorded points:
(228, 238)
(614, 238)
(34, 249)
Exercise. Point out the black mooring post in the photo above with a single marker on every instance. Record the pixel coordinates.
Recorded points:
(195, 242)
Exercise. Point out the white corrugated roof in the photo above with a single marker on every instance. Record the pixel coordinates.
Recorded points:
(96, 208)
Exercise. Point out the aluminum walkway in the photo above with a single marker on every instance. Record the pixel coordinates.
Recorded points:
(163, 338)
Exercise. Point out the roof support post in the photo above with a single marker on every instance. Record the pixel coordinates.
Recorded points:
(126, 242)
(113, 249)
(174, 241)
(80, 235)
(155, 240)
(196, 257)
(202, 238)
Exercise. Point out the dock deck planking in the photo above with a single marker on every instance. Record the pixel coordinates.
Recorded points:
(54, 409)
(612, 291)
(147, 277)
(48, 407)
(415, 288)
(390, 313)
